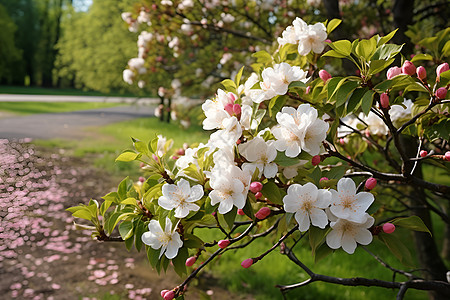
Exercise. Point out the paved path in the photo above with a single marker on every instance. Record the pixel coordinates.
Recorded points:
(55, 98)
(71, 125)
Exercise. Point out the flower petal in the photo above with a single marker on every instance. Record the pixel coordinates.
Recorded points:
(348, 243)
(318, 217)
(346, 186)
(196, 193)
(334, 238)
(363, 236)
(302, 219)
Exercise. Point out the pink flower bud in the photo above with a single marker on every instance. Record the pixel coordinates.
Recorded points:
(246, 263)
(232, 96)
(324, 178)
(258, 195)
(408, 68)
(342, 141)
(308, 89)
(388, 227)
(324, 75)
(229, 108)
(142, 179)
(441, 69)
(181, 151)
(223, 244)
(384, 100)
(441, 93)
(423, 153)
(447, 156)
(392, 72)
(190, 261)
(421, 73)
(237, 109)
(241, 212)
(256, 187)
(370, 183)
(263, 213)
(315, 160)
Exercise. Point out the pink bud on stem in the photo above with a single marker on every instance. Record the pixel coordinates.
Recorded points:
(447, 156)
(241, 212)
(408, 68)
(263, 213)
(323, 178)
(258, 195)
(142, 179)
(223, 244)
(392, 72)
(421, 73)
(237, 109)
(371, 183)
(163, 292)
(255, 187)
(315, 160)
(190, 261)
(246, 263)
(384, 100)
(441, 93)
(388, 227)
(324, 75)
(441, 69)
(229, 108)
(423, 153)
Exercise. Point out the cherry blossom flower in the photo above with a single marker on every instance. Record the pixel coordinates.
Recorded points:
(401, 113)
(299, 130)
(308, 203)
(228, 189)
(168, 240)
(375, 124)
(346, 234)
(215, 110)
(349, 205)
(181, 197)
(261, 154)
(163, 145)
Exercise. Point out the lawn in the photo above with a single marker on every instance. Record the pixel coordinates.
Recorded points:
(27, 108)
(58, 91)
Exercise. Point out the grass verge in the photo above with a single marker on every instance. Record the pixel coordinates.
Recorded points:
(28, 108)
(24, 90)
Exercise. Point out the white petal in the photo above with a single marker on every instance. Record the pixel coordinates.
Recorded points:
(225, 206)
(323, 199)
(334, 239)
(239, 201)
(151, 240)
(318, 218)
(310, 191)
(168, 228)
(173, 246)
(155, 227)
(196, 193)
(270, 170)
(184, 187)
(166, 203)
(348, 243)
(364, 237)
(302, 219)
(346, 186)
(181, 212)
(364, 200)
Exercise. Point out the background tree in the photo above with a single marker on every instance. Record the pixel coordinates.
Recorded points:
(8, 52)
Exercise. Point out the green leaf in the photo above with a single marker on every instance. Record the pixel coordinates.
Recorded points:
(332, 25)
(420, 57)
(237, 79)
(152, 255)
(262, 57)
(383, 40)
(192, 241)
(296, 84)
(316, 237)
(154, 145)
(333, 84)
(83, 213)
(104, 207)
(123, 188)
(383, 86)
(366, 48)
(284, 161)
(344, 90)
(343, 47)
(376, 66)
(355, 99)
(333, 53)
(140, 146)
(315, 175)
(322, 252)
(179, 261)
(127, 156)
(397, 248)
(275, 104)
(413, 223)
(386, 52)
(272, 192)
(248, 209)
(416, 86)
(229, 85)
(139, 229)
(366, 103)
(126, 230)
(230, 216)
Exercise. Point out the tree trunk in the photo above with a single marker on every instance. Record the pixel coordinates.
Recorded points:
(403, 11)
(426, 248)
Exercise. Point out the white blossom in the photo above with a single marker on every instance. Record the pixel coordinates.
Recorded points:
(168, 240)
(401, 113)
(215, 110)
(228, 189)
(128, 76)
(261, 154)
(312, 38)
(181, 197)
(349, 205)
(163, 145)
(375, 124)
(308, 203)
(346, 234)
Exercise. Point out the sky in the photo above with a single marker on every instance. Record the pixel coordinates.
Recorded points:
(82, 5)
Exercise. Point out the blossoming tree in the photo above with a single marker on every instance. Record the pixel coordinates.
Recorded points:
(302, 154)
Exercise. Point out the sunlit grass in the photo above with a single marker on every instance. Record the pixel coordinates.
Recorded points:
(27, 108)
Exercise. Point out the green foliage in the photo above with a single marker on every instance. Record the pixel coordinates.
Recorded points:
(8, 52)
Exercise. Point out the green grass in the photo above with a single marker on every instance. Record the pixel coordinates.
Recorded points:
(23, 90)
(260, 279)
(106, 143)
(27, 108)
